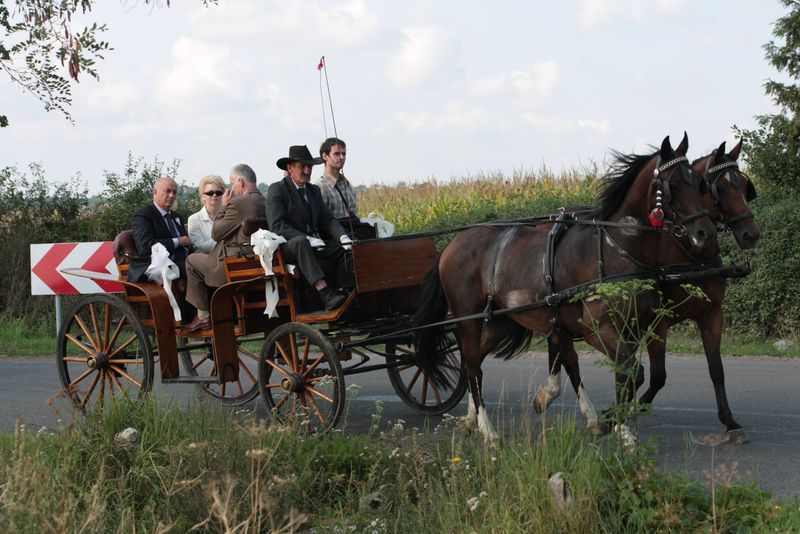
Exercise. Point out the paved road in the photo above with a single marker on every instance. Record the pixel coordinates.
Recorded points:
(763, 393)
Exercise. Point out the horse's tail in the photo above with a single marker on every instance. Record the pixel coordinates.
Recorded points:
(431, 342)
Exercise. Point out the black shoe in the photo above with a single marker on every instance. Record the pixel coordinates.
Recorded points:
(334, 300)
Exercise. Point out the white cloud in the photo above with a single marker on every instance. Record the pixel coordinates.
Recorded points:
(113, 97)
(429, 54)
(537, 82)
(456, 117)
(350, 23)
(346, 23)
(596, 13)
(201, 73)
(562, 125)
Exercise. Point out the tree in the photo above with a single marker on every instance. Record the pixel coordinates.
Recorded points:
(41, 45)
(773, 149)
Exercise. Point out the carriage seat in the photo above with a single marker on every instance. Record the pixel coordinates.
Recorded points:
(124, 247)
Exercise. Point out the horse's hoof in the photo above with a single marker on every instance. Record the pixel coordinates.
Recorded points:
(538, 404)
(736, 436)
(596, 428)
(464, 426)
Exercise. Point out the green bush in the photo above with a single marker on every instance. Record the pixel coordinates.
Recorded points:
(767, 302)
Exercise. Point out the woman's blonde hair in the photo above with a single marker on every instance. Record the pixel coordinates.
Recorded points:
(210, 179)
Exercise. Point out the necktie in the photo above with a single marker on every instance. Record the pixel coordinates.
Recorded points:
(171, 225)
(306, 205)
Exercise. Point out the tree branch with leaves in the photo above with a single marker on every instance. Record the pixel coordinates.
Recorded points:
(43, 51)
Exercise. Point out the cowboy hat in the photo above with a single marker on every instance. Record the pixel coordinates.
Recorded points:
(298, 153)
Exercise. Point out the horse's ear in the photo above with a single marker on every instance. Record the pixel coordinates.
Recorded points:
(719, 155)
(666, 148)
(683, 147)
(735, 151)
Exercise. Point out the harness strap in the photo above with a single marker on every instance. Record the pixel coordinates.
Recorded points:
(495, 257)
(553, 237)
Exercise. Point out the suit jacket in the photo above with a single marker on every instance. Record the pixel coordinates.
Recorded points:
(227, 232)
(149, 228)
(286, 215)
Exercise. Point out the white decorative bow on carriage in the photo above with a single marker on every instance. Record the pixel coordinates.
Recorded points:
(265, 243)
(383, 227)
(163, 270)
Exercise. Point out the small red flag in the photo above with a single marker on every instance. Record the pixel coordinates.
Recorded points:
(321, 63)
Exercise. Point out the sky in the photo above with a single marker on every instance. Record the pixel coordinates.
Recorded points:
(420, 88)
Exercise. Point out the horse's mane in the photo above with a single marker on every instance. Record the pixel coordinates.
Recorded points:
(615, 185)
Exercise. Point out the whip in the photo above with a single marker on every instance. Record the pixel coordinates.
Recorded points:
(322, 67)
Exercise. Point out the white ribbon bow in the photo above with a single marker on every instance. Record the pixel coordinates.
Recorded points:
(265, 244)
(163, 270)
(384, 227)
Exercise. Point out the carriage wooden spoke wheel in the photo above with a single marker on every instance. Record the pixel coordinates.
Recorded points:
(103, 353)
(200, 362)
(414, 387)
(300, 378)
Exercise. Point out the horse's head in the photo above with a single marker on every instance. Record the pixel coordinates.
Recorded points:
(676, 193)
(729, 191)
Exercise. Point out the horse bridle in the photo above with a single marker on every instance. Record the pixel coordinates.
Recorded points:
(664, 196)
(724, 169)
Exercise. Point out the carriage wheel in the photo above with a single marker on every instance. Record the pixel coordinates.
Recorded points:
(103, 353)
(200, 362)
(300, 378)
(413, 386)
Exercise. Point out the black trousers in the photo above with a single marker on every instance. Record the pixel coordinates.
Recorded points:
(299, 251)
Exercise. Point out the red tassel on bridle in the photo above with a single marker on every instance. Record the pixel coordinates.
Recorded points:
(656, 215)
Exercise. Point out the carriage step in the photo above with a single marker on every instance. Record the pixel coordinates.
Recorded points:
(190, 380)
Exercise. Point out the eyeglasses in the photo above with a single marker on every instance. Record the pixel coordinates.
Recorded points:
(213, 193)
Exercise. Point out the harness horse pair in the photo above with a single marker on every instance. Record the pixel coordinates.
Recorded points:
(530, 284)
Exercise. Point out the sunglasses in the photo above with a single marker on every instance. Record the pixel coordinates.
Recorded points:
(213, 193)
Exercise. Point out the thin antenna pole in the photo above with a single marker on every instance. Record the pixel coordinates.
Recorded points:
(333, 118)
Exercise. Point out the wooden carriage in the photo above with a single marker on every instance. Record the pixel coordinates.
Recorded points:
(108, 345)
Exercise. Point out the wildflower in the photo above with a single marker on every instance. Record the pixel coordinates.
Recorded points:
(473, 503)
(257, 454)
(456, 459)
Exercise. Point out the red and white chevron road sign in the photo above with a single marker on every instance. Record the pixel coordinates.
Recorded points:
(47, 261)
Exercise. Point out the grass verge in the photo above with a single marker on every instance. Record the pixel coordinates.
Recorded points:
(200, 468)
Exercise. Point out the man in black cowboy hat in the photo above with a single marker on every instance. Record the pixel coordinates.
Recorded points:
(295, 210)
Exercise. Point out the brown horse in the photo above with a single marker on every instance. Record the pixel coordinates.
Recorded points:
(727, 196)
(519, 271)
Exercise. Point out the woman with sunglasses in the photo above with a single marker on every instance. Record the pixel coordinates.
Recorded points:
(211, 189)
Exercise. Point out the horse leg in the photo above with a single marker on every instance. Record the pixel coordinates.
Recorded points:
(657, 350)
(711, 332)
(473, 357)
(547, 394)
(622, 355)
(569, 359)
